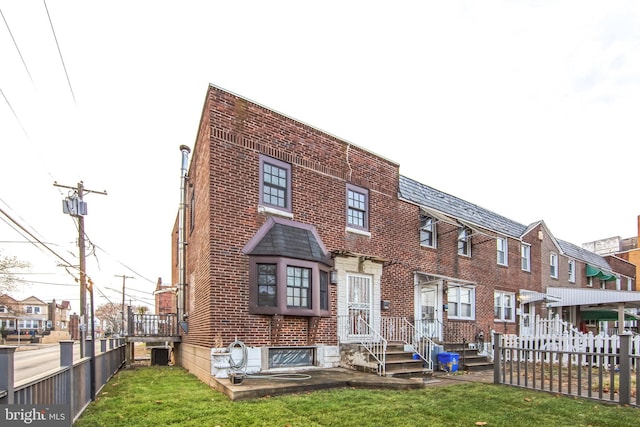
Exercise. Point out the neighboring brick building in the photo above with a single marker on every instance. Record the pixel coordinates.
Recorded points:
(297, 243)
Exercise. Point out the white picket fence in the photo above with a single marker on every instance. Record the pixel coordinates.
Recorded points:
(555, 341)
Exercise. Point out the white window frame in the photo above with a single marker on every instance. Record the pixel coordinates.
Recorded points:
(553, 265)
(454, 287)
(629, 284)
(428, 228)
(464, 241)
(498, 302)
(618, 283)
(502, 251)
(572, 270)
(525, 257)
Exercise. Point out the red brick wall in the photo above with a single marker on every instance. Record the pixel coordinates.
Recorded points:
(225, 174)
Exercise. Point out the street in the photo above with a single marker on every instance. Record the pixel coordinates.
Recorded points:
(29, 363)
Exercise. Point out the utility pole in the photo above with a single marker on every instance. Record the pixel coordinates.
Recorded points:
(123, 281)
(75, 206)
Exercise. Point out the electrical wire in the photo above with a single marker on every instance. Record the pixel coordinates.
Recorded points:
(16, 45)
(60, 53)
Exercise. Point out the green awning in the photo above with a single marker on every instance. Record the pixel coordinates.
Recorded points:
(605, 315)
(599, 274)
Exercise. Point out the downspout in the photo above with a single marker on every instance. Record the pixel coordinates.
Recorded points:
(182, 253)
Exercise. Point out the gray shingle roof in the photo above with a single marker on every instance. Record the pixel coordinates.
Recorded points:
(428, 197)
(582, 254)
(292, 242)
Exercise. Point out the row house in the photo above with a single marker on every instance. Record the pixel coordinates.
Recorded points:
(27, 316)
(299, 244)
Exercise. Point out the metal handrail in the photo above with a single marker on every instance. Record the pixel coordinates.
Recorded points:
(376, 346)
(400, 329)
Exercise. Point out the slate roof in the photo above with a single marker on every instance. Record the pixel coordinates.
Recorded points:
(428, 197)
(292, 242)
(582, 254)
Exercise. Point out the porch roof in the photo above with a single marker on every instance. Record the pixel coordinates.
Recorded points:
(527, 296)
(594, 297)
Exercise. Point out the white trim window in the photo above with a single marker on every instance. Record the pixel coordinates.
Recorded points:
(553, 265)
(427, 231)
(461, 302)
(504, 306)
(618, 283)
(502, 251)
(572, 271)
(525, 256)
(464, 241)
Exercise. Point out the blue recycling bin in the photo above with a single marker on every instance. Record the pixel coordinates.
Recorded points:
(448, 361)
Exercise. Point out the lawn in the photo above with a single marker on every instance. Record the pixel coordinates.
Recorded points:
(171, 396)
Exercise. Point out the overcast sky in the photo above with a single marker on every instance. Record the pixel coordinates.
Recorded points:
(529, 109)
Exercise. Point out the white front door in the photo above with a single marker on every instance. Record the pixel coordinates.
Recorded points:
(359, 304)
(429, 322)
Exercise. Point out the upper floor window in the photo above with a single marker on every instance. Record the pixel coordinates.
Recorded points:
(553, 265)
(32, 309)
(629, 284)
(502, 248)
(357, 208)
(572, 271)
(503, 306)
(461, 302)
(464, 241)
(275, 184)
(427, 231)
(3, 309)
(618, 283)
(590, 281)
(525, 256)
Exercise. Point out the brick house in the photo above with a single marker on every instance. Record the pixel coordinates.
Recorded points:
(300, 244)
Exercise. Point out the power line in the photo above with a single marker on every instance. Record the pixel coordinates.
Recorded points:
(60, 53)
(16, 45)
(16, 116)
(35, 238)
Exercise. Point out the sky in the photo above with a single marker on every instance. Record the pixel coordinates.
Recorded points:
(527, 108)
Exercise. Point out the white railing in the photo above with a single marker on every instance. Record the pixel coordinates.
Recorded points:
(355, 329)
(401, 330)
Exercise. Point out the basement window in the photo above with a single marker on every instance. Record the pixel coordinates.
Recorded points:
(287, 357)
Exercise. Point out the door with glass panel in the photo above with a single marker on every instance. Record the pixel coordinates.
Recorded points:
(429, 324)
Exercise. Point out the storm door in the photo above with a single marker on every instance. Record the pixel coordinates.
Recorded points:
(428, 322)
(359, 304)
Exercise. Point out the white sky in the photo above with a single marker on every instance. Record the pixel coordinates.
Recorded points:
(529, 109)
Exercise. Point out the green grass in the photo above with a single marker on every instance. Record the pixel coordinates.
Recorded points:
(171, 396)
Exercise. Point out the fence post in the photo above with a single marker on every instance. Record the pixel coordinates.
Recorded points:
(66, 359)
(6, 371)
(497, 357)
(624, 369)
